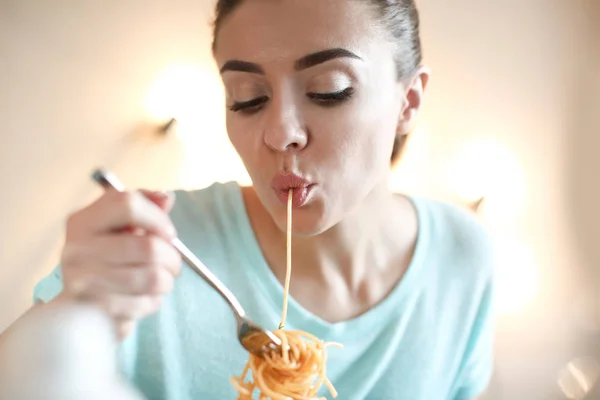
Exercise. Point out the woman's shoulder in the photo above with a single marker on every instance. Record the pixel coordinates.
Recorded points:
(457, 234)
(212, 201)
(214, 211)
(206, 196)
(452, 217)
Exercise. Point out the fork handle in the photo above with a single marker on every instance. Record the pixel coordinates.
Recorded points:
(108, 180)
(210, 278)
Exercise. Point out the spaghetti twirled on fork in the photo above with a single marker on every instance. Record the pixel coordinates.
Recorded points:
(299, 370)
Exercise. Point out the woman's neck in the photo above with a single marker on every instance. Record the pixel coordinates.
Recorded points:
(377, 236)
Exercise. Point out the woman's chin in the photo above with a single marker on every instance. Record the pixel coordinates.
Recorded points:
(305, 223)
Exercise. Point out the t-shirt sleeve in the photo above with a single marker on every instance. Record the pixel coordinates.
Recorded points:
(478, 361)
(49, 287)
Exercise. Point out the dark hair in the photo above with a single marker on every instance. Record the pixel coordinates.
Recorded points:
(401, 20)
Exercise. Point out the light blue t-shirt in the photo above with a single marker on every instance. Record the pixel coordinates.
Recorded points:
(430, 339)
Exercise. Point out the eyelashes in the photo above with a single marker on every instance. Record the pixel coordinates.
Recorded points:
(331, 98)
(322, 99)
(248, 105)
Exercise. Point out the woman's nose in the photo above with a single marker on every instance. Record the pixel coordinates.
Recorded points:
(284, 129)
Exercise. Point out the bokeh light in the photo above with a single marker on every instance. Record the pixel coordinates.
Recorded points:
(517, 276)
(487, 168)
(579, 377)
(193, 94)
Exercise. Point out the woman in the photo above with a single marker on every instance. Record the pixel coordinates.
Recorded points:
(317, 93)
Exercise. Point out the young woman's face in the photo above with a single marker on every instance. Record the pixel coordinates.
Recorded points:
(311, 90)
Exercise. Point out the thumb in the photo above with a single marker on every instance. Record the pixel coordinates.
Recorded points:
(164, 199)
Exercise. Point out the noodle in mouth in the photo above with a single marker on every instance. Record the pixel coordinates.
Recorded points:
(299, 370)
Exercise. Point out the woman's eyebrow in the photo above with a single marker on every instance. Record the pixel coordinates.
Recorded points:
(305, 62)
(323, 56)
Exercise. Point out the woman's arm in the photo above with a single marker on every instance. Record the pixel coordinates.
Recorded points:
(60, 350)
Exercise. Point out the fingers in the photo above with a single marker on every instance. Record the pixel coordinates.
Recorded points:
(118, 254)
(124, 249)
(118, 210)
(149, 280)
(123, 263)
(164, 200)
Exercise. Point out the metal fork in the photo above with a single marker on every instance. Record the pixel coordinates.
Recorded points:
(253, 338)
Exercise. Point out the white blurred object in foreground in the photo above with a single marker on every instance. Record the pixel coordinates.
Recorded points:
(61, 351)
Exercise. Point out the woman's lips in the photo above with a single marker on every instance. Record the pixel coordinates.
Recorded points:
(299, 195)
(301, 188)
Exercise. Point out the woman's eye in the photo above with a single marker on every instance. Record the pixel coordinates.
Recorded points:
(328, 99)
(325, 99)
(250, 106)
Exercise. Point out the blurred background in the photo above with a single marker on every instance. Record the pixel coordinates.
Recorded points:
(512, 115)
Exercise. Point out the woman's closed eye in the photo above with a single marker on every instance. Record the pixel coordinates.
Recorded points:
(333, 98)
(250, 106)
(324, 99)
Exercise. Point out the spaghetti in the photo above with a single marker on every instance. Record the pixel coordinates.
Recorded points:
(298, 371)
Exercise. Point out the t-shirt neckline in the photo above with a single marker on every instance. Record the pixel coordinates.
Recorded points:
(261, 275)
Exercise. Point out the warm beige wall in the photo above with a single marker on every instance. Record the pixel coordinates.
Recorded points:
(75, 78)
(582, 145)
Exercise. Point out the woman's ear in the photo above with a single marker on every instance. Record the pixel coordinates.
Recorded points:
(413, 99)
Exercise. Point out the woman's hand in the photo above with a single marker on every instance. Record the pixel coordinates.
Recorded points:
(118, 255)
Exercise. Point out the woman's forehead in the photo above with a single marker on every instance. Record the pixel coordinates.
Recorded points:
(267, 31)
